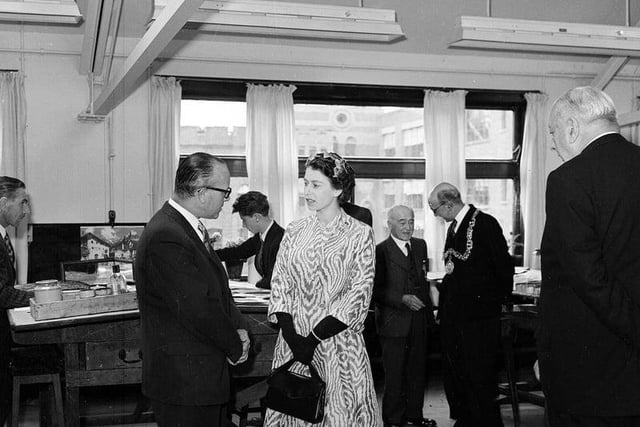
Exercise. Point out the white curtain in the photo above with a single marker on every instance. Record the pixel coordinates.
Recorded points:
(444, 139)
(532, 175)
(13, 123)
(272, 163)
(164, 132)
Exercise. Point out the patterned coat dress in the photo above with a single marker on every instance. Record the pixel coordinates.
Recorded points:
(322, 271)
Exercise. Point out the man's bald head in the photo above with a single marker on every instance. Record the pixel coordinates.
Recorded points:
(445, 201)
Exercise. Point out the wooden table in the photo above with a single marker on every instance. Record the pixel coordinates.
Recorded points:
(103, 349)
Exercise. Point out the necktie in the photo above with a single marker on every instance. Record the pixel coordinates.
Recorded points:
(409, 254)
(10, 252)
(452, 229)
(258, 261)
(205, 233)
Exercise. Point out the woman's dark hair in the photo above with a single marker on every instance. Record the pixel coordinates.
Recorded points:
(338, 170)
(250, 203)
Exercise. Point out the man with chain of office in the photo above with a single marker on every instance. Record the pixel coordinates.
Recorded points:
(479, 277)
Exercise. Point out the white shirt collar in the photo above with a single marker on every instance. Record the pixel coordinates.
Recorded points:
(263, 235)
(191, 218)
(401, 244)
(3, 231)
(460, 216)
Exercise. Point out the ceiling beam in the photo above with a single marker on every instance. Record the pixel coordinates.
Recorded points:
(628, 119)
(295, 20)
(103, 35)
(111, 45)
(91, 29)
(614, 64)
(157, 37)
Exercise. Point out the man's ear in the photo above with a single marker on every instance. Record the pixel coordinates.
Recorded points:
(3, 202)
(573, 130)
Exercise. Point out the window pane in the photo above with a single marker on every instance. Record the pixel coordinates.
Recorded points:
(495, 197)
(380, 195)
(489, 134)
(359, 131)
(215, 127)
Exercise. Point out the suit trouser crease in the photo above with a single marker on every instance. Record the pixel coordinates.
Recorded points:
(470, 375)
(405, 382)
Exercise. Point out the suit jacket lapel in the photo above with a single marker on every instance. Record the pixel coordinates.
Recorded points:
(191, 233)
(460, 239)
(395, 254)
(4, 255)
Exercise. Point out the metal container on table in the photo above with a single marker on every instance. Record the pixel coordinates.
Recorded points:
(47, 291)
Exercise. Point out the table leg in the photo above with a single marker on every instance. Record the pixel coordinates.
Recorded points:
(71, 392)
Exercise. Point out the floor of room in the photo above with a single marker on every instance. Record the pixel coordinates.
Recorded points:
(107, 401)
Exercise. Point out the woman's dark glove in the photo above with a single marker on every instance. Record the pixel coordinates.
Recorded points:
(285, 321)
(328, 327)
(295, 341)
(307, 349)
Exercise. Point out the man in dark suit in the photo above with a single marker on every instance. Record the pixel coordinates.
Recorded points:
(14, 206)
(191, 330)
(253, 208)
(403, 312)
(478, 279)
(589, 338)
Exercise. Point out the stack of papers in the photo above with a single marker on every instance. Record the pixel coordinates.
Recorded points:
(525, 275)
(245, 293)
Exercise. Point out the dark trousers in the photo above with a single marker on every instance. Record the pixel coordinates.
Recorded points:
(404, 362)
(556, 418)
(470, 352)
(168, 415)
(6, 382)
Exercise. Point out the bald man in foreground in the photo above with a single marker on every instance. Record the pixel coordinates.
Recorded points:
(589, 340)
(403, 312)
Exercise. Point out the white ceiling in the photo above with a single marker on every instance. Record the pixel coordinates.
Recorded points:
(428, 24)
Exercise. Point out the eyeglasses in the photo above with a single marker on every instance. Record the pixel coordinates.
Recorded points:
(435, 210)
(227, 192)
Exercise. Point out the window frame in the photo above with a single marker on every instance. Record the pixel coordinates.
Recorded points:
(372, 95)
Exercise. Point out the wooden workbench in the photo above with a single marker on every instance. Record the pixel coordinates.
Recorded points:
(103, 349)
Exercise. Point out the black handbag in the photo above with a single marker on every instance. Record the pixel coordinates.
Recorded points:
(296, 395)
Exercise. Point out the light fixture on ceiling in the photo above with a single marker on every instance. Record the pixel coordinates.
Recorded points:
(56, 12)
(562, 37)
(295, 20)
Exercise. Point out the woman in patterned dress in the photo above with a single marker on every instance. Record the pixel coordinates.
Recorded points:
(320, 293)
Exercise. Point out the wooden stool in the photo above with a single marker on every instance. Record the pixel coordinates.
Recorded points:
(517, 392)
(37, 365)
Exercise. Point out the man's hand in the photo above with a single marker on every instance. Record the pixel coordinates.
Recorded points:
(413, 302)
(244, 338)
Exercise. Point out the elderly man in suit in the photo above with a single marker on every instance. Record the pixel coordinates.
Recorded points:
(589, 339)
(478, 279)
(253, 208)
(14, 207)
(403, 311)
(191, 329)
